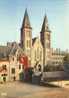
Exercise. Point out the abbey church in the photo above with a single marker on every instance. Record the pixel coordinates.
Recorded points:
(32, 51)
(38, 49)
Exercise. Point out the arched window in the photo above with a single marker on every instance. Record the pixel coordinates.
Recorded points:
(19, 66)
(4, 67)
(39, 67)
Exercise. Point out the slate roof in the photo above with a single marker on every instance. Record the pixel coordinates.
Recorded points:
(26, 22)
(45, 26)
(6, 51)
(15, 48)
(33, 40)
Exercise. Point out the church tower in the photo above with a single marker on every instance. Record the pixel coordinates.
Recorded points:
(45, 36)
(26, 36)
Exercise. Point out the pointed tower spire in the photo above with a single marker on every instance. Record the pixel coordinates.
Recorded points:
(45, 40)
(26, 22)
(26, 37)
(45, 26)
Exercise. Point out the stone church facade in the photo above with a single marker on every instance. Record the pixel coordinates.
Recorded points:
(37, 49)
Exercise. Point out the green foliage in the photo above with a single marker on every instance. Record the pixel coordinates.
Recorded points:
(66, 59)
(66, 62)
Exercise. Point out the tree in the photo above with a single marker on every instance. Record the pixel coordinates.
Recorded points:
(66, 59)
(66, 62)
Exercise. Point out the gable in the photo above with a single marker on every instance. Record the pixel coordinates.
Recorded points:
(37, 43)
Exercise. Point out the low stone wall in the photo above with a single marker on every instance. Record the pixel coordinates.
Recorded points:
(55, 76)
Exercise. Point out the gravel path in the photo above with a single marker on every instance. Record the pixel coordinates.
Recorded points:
(24, 90)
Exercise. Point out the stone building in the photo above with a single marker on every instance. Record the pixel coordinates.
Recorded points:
(57, 57)
(37, 52)
(26, 36)
(10, 68)
(37, 49)
(45, 36)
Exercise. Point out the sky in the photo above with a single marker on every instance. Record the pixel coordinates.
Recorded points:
(57, 11)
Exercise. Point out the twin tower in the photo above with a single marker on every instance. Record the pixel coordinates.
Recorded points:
(45, 39)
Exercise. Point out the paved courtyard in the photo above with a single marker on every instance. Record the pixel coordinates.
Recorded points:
(24, 90)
